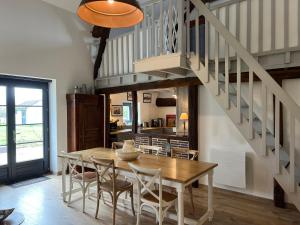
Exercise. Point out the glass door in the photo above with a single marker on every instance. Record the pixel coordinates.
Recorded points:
(3, 128)
(29, 138)
(24, 147)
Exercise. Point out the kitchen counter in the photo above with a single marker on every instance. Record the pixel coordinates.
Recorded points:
(122, 131)
(153, 132)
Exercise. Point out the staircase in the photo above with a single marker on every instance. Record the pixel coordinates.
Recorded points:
(164, 45)
(263, 139)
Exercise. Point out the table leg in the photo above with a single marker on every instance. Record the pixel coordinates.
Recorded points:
(210, 195)
(180, 212)
(63, 177)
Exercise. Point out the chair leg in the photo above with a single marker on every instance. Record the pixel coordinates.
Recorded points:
(138, 217)
(190, 187)
(70, 191)
(114, 208)
(83, 198)
(132, 203)
(98, 202)
(160, 215)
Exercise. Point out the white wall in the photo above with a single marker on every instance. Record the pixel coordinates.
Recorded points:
(41, 40)
(216, 130)
(292, 88)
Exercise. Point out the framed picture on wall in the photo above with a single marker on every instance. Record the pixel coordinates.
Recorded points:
(171, 120)
(147, 97)
(129, 96)
(117, 110)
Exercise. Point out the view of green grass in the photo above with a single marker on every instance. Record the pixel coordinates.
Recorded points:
(24, 133)
(3, 135)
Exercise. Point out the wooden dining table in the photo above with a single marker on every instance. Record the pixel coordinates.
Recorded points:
(176, 173)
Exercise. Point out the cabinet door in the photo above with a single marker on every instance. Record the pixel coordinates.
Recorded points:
(91, 119)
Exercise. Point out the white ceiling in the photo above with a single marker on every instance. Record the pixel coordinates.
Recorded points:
(70, 5)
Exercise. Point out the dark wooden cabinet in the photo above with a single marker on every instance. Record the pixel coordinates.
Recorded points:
(85, 121)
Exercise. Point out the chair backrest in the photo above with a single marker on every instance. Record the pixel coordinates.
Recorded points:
(149, 149)
(73, 162)
(147, 186)
(183, 153)
(141, 140)
(161, 142)
(180, 153)
(105, 169)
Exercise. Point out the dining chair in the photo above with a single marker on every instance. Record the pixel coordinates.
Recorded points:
(183, 153)
(152, 150)
(75, 163)
(160, 201)
(107, 182)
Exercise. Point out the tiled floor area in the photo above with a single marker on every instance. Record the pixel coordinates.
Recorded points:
(42, 205)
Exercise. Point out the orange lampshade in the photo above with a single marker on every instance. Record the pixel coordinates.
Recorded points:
(110, 13)
(184, 116)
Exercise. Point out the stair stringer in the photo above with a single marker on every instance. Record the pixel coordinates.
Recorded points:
(243, 127)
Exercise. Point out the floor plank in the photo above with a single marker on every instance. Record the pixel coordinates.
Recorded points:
(41, 204)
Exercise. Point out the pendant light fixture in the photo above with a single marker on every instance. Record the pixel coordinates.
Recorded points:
(111, 13)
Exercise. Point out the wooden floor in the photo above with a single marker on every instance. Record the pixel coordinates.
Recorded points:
(42, 205)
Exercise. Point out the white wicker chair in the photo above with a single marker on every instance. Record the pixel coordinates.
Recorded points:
(160, 201)
(84, 179)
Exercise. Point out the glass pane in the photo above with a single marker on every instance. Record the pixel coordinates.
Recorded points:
(28, 97)
(29, 133)
(3, 145)
(3, 118)
(29, 115)
(3, 155)
(2, 95)
(3, 135)
(28, 152)
(126, 113)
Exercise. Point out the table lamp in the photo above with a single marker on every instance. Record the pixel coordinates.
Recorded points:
(184, 117)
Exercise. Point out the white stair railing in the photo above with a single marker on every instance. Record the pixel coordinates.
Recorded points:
(262, 27)
(118, 56)
(162, 31)
(245, 60)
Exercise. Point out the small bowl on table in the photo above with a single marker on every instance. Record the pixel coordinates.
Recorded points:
(127, 156)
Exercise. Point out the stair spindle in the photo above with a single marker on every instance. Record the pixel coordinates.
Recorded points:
(250, 104)
(277, 135)
(136, 42)
(124, 52)
(181, 34)
(197, 41)
(217, 62)
(127, 56)
(115, 52)
(206, 51)
(148, 39)
(238, 86)
(292, 152)
(170, 25)
(161, 26)
(153, 30)
(107, 59)
(227, 104)
(264, 119)
(144, 36)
